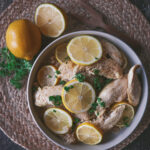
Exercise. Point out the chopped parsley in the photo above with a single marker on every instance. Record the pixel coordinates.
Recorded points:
(49, 76)
(62, 82)
(67, 88)
(100, 102)
(67, 58)
(54, 110)
(93, 108)
(75, 122)
(56, 100)
(14, 67)
(58, 72)
(97, 84)
(80, 77)
(97, 114)
(96, 71)
(125, 121)
(96, 58)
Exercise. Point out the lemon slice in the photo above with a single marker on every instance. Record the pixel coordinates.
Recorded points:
(127, 116)
(77, 96)
(57, 120)
(50, 19)
(84, 50)
(88, 134)
(47, 76)
(61, 53)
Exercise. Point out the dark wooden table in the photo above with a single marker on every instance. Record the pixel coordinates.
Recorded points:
(141, 143)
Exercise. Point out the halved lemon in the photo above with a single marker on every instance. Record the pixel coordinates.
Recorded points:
(89, 134)
(61, 53)
(57, 120)
(84, 50)
(50, 19)
(47, 76)
(127, 116)
(78, 96)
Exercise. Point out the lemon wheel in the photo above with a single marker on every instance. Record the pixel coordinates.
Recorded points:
(47, 76)
(57, 120)
(88, 134)
(77, 96)
(84, 50)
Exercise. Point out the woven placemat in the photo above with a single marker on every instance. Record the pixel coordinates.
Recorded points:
(16, 120)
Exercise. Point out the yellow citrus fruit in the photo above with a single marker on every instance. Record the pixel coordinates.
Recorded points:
(57, 120)
(61, 53)
(50, 19)
(89, 134)
(47, 76)
(127, 116)
(79, 97)
(23, 39)
(84, 50)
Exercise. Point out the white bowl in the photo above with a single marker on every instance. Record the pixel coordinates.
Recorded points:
(112, 139)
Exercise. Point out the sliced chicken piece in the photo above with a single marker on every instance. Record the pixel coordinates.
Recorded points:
(42, 95)
(112, 51)
(107, 67)
(68, 70)
(116, 91)
(84, 116)
(134, 86)
(69, 138)
(109, 121)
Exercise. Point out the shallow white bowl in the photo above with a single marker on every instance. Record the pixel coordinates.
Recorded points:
(112, 139)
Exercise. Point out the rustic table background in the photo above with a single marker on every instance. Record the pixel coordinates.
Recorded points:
(141, 143)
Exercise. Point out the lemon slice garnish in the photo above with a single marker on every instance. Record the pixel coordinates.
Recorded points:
(89, 134)
(47, 76)
(57, 120)
(84, 50)
(77, 96)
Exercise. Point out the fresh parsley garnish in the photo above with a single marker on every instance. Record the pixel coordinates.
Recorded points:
(58, 72)
(49, 76)
(14, 67)
(80, 77)
(75, 122)
(97, 84)
(93, 108)
(100, 102)
(96, 72)
(67, 58)
(125, 121)
(96, 58)
(54, 110)
(56, 100)
(67, 88)
(97, 114)
(62, 82)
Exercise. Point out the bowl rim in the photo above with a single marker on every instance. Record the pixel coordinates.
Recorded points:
(94, 33)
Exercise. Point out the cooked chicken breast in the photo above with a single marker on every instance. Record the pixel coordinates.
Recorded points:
(108, 122)
(69, 138)
(84, 116)
(116, 91)
(134, 86)
(113, 52)
(42, 95)
(107, 67)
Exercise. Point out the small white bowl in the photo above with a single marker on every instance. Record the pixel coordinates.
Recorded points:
(112, 139)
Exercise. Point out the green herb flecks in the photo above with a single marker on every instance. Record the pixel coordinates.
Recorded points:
(93, 108)
(58, 72)
(96, 72)
(56, 100)
(125, 121)
(100, 102)
(80, 77)
(54, 110)
(62, 82)
(49, 76)
(75, 122)
(67, 59)
(67, 88)
(14, 67)
(96, 58)
(97, 84)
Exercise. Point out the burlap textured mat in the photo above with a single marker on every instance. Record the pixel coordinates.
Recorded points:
(15, 119)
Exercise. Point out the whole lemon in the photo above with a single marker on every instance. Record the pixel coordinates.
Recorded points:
(23, 39)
